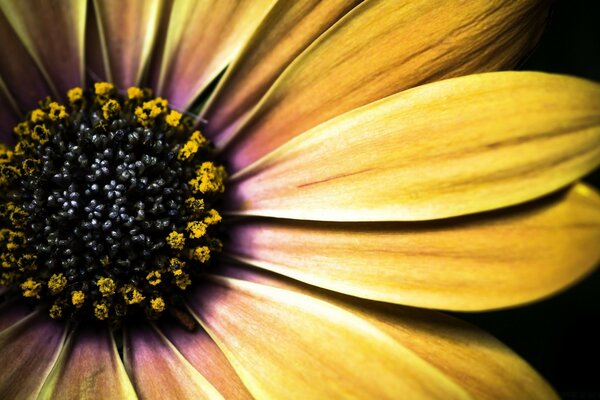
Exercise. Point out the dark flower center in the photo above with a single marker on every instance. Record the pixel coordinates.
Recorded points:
(107, 205)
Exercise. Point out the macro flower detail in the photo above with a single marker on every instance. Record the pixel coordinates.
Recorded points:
(270, 199)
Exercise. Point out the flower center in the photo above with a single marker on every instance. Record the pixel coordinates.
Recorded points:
(107, 205)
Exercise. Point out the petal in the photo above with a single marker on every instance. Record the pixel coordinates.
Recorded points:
(449, 148)
(284, 344)
(159, 371)
(12, 312)
(475, 360)
(9, 114)
(18, 70)
(203, 36)
(284, 33)
(89, 361)
(204, 355)
(473, 263)
(30, 349)
(53, 33)
(127, 33)
(381, 48)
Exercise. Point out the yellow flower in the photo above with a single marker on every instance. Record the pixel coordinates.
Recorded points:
(377, 163)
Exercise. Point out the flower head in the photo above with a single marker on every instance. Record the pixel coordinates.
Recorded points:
(262, 236)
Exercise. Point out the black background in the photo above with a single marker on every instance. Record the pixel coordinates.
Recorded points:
(560, 337)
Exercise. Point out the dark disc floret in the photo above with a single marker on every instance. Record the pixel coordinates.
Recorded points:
(107, 204)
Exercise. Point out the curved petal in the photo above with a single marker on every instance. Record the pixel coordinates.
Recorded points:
(12, 312)
(127, 33)
(203, 36)
(476, 263)
(53, 33)
(18, 70)
(88, 368)
(284, 33)
(475, 360)
(381, 48)
(449, 148)
(29, 350)
(284, 344)
(159, 371)
(203, 353)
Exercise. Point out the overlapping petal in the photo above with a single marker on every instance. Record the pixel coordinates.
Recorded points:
(29, 350)
(159, 371)
(494, 260)
(285, 32)
(289, 345)
(53, 32)
(202, 37)
(449, 148)
(203, 354)
(475, 360)
(127, 34)
(88, 368)
(380, 48)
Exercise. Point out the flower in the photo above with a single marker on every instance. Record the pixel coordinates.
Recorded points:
(364, 180)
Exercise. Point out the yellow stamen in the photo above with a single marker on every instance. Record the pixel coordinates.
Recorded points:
(213, 217)
(77, 298)
(111, 109)
(57, 283)
(176, 240)
(196, 229)
(135, 93)
(106, 286)
(210, 178)
(31, 288)
(37, 115)
(57, 111)
(173, 118)
(158, 304)
(103, 88)
(100, 311)
(132, 295)
(55, 311)
(153, 278)
(75, 94)
(196, 206)
(201, 253)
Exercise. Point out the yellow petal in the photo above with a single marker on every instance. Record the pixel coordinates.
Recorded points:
(449, 148)
(159, 371)
(88, 368)
(286, 31)
(475, 360)
(284, 344)
(381, 48)
(204, 355)
(53, 33)
(18, 70)
(29, 350)
(127, 32)
(203, 36)
(475, 263)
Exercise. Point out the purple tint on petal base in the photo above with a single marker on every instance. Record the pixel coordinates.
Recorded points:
(30, 348)
(11, 312)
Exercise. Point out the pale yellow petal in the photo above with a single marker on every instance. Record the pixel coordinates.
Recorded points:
(53, 33)
(380, 48)
(449, 148)
(288, 29)
(88, 368)
(203, 36)
(288, 345)
(474, 263)
(158, 371)
(475, 360)
(127, 32)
